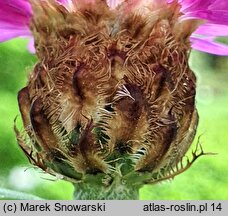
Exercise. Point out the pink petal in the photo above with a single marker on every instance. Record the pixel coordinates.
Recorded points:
(10, 34)
(195, 5)
(31, 46)
(212, 30)
(215, 16)
(219, 5)
(14, 19)
(21, 8)
(209, 46)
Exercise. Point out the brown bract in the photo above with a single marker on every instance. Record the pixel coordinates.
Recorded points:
(111, 89)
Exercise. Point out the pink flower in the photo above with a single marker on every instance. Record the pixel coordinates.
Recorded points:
(14, 19)
(214, 13)
(15, 16)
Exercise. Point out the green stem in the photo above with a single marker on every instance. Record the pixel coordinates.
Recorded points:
(118, 190)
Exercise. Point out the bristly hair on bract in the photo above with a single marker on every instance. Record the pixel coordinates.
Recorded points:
(112, 92)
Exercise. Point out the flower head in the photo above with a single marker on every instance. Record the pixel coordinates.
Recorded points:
(112, 93)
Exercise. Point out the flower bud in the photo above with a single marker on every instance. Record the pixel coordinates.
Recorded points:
(112, 93)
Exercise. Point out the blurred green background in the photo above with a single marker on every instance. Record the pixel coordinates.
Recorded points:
(206, 179)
